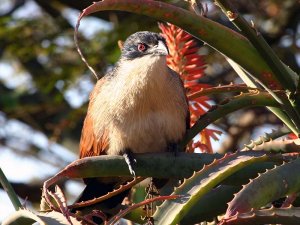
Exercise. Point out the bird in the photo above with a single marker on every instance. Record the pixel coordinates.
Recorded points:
(140, 106)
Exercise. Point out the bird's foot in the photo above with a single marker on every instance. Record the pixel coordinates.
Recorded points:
(130, 160)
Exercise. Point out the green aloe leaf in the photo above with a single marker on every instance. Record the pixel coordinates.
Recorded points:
(213, 203)
(214, 34)
(159, 165)
(280, 72)
(277, 146)
(194, 188)
(273, 184)
(268, 137)
(289, 215)
(162, 165)
(10, 191)
(221, 89)
(244, 100)
(247, 78)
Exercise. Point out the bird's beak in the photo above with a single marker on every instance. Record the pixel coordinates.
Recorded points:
(161, 49)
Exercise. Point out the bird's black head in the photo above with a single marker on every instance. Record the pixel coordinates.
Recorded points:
(144, 43)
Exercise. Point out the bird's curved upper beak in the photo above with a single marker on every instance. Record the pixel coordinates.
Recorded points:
(160, 49)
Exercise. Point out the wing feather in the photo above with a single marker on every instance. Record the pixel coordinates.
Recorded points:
(90, 145)
(188, 114)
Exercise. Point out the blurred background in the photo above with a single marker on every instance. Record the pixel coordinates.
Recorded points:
(44, 86)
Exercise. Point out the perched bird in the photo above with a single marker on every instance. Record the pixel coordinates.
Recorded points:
(138, 107)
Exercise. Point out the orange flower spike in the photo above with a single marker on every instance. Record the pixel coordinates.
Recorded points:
(185, 60)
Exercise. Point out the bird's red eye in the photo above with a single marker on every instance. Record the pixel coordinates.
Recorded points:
(141, 47)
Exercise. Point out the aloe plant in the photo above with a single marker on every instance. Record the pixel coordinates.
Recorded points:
(209, 181)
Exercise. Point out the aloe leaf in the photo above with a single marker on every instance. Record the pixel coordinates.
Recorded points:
(273, 184)
(193, 188)
(289, 215)
(241, 101)
(242, 176)
(280, 71)
(267, 138)
(26, 217)
(278, 146)
(221, 89)
(213, 203)
(249, 81)
(214, 34)
(94, 201)
(159, 165)
(162, 165)
(147, 165)
(10, 191)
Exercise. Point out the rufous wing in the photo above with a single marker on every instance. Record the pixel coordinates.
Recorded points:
(188, 114)
(90, 145)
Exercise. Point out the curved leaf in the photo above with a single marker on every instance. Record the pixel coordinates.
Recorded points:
(159, 165)
(192, 189)
(221, 89)
(257, 40)
(267, 137)
(278, 146)
(214, 34)
(267, 187)
(241, 101)
(213, 203)
(289, 215)
(278, 112)
(10, 191)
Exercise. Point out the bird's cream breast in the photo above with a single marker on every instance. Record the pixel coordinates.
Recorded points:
(143, 107)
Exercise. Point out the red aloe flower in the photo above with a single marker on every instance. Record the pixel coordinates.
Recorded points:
(185, 60)
(292, 136)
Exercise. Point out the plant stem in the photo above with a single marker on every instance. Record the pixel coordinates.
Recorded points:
(10, 191)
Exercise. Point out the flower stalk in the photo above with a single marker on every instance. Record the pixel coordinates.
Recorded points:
(185, 60)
